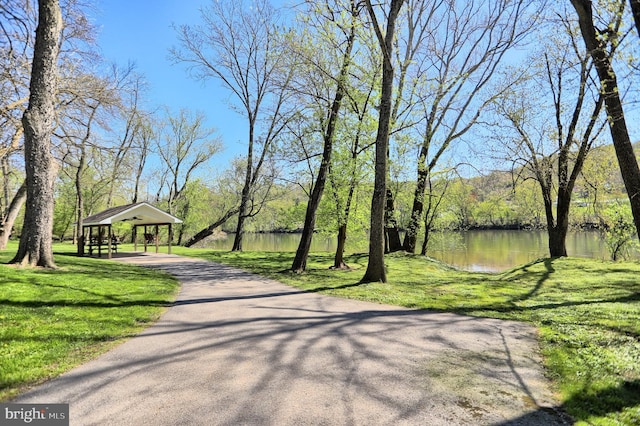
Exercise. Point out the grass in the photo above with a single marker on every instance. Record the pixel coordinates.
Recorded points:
(587, 311)
(53, 320)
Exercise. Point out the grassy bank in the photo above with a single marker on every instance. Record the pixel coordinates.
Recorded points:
(587, 311)
(52, 320)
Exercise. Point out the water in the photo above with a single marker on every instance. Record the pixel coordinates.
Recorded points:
(471, 250)
(500, 250)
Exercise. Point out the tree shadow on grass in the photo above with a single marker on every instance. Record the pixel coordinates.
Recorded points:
(538, 417)
(107, 267)
(82, 304)
(92, 299)
(613, 400)
(66, 287)
(548, 264)
(503, 308)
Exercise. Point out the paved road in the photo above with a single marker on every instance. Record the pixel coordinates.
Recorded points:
(238, 349)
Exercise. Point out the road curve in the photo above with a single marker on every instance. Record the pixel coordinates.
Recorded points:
(239, 349)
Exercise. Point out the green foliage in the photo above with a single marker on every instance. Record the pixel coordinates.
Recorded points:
(193, 206)
(284, 212)
(331, 216)
(444, 242)
(588, 313)
(283, 215)
(601, 178)
(618, 230)
(53, 320)
(64, 212)
(527, 205)
(495, 211)
(459, 205)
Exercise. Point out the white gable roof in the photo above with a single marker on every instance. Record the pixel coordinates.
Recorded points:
(136, 214)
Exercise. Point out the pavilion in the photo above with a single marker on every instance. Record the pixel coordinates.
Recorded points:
(138, 214)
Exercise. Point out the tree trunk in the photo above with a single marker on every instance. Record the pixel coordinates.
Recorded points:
(617, 124)
(180, 235)
(558, 233)
(429, 217)
(246, 190)
(411, 237)
(239, 235)
(425, 243)
(181, 229)
(38, 122)
(557, 242)
(79, 201)
(6, 226)
(209, 229)
(300, 260)
(635, 9)
(375, 267)
(391, 233)
(338, 260)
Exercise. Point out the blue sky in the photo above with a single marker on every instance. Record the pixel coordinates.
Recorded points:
(140, 31)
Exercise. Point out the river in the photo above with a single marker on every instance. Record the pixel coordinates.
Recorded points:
(470, 250)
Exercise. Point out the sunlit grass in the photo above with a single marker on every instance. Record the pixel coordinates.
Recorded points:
(587, 311)
(52, 320)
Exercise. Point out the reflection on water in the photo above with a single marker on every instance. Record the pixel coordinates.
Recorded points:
(500, 250)
(471, 250)
(273, 242)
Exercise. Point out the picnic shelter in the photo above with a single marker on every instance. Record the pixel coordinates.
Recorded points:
(97, 232)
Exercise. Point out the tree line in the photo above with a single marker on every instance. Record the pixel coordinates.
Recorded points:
(340, 100)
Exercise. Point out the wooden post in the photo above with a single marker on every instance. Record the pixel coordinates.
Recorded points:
(145, 238)
(81, 243)
(100, 235)
(91, 240)
(109, 249)
(157, 239)
(170, 238)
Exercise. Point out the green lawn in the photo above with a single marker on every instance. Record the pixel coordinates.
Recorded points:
(587, 311)
(53, 320)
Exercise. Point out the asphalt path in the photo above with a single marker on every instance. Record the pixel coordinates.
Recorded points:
(239, 349)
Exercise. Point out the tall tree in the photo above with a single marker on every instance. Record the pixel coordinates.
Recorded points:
(435, 193)
(238, 45)
(87, 102)
(553, 155)
(143, 140)
(227, 187)
(10, 214)
(19, 20)
(348, 166)
(376, 271)
(130, 85)
(348, 30)
(80, 170)
(597, 45)
(185, 145)
(465, 42)
(39, 120)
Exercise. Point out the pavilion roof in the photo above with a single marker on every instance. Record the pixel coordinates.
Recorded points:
(136, 213)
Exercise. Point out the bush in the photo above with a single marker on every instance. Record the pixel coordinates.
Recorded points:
(618, 230)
